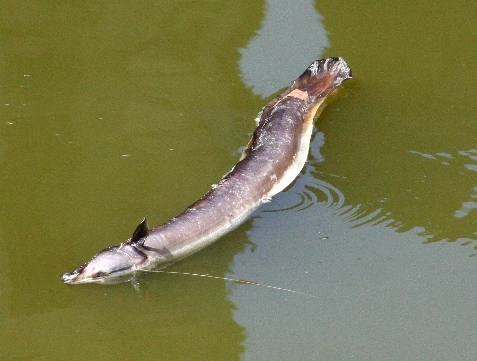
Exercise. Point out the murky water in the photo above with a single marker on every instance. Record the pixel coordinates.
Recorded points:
(110, 112)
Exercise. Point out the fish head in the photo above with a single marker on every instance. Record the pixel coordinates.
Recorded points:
(113, 265)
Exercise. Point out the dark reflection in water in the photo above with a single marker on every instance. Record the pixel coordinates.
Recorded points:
(378, 286)
(273, 58)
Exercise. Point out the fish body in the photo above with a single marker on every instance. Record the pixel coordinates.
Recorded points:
(272, 160)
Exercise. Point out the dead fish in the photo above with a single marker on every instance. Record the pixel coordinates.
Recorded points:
(272, 160)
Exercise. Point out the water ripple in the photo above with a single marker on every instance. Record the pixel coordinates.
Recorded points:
(307, 191)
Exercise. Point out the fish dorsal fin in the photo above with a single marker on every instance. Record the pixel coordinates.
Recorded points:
(141, 231)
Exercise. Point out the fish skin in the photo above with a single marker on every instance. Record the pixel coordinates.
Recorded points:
(272, 160)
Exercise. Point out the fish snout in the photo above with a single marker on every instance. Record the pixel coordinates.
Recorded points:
(112, 265)
(70, 278)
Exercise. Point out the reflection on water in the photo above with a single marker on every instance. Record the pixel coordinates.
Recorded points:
(467, 206)
(378, 286)
(461, 164)
(355, 230)
(274, 57)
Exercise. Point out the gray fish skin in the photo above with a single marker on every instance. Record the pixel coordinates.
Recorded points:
(274, 157)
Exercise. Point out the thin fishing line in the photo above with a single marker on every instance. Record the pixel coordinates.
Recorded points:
(236, 280)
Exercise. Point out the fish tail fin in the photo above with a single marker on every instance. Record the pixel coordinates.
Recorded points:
(322, 77)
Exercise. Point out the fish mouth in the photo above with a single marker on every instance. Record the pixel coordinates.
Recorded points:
(112, 265)
(69, 278)
(78, 276)
(74, 277)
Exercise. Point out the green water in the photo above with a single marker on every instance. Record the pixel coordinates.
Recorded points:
(112, 111)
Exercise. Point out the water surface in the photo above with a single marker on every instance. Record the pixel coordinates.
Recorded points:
(113, 111)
